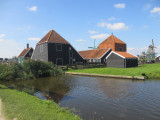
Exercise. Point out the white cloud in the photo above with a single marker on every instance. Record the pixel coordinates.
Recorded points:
(2, 35)
(100, 36)
(114, 26)
(111, 18)
(145, 26)
(33, 8)
(155, 10)
(147, 6)
(10, 48)
(81, 40)
(34, 39)
(121, 5)
(136, 51)
(92, 32)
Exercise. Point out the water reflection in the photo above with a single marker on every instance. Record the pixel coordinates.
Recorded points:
(98, 98)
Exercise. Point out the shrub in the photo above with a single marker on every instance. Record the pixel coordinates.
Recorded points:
(28, 70)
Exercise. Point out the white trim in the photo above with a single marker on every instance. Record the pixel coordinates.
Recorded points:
(57, 46)
(104, 53)
(116, 54)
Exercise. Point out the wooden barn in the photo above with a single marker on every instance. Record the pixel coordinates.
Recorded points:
(25, 54)
(121, 60)
(54, 48)
(95, 56)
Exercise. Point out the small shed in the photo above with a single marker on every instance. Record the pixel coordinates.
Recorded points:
(25, 54)
(158, 59)
(121, 60)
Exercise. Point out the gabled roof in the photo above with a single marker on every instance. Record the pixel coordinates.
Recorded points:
(112, 39)
(24, 52)
(54, 37)
(122, 54)
(93, 54)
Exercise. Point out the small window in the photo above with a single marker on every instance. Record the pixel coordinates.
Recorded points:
(59, 47)
(70, 48)
(120, 49)
(41, 48)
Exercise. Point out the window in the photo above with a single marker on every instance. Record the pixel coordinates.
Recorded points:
(120, 49)
(41, 48)
(59, 47)
(70, 48)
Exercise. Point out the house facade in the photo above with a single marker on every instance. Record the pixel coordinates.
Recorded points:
(54, 48)
(158, 59)
(112, 52)
(25, 54)
(121, 60)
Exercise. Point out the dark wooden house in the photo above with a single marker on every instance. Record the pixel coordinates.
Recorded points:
(121, 60)
(54, 48)
(95, 56)
(25, 54)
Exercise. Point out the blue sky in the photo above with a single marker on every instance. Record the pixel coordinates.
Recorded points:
(136, 22)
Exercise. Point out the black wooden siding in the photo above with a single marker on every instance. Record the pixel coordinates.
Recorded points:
(68, 54)
(115, 61)
(57, 53)
(131, 62)
(29, 54)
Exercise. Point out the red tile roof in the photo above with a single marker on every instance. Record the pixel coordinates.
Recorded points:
(110, 41)
(126, 54)
(24, 52)
(54, 37)
(90, 54)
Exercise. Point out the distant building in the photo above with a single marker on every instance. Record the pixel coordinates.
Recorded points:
(158, 59)
(1, 60)
(112, 52)
(25, 54)
(95, 56)
(121, 60)
(54, 48)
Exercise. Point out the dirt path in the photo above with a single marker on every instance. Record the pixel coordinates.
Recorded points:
(1, 116)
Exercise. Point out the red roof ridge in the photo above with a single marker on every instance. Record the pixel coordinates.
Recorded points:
(24, 52)
(125, 54)
(54, 37)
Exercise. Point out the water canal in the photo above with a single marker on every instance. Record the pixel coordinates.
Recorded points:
(98, 98)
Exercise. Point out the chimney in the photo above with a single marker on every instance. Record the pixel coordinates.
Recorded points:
(27, 45)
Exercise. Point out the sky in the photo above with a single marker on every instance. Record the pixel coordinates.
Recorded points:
(80, 22)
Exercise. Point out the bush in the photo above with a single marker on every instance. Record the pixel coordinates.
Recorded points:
(29, 69)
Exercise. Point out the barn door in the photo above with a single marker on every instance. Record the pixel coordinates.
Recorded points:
(59, 61)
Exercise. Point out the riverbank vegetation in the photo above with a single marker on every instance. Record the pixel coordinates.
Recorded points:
(152, 71)
(28, 69)
(23, 106)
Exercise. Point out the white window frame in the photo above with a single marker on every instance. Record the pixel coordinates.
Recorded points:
(60, 47)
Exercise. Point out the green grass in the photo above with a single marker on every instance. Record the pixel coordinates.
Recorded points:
(23, 106)
(151, 70)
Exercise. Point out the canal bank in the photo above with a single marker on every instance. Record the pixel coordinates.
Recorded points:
(108, 76)
(22, 106)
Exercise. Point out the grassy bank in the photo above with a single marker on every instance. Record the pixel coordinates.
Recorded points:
(151, 70)
(23, 106)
